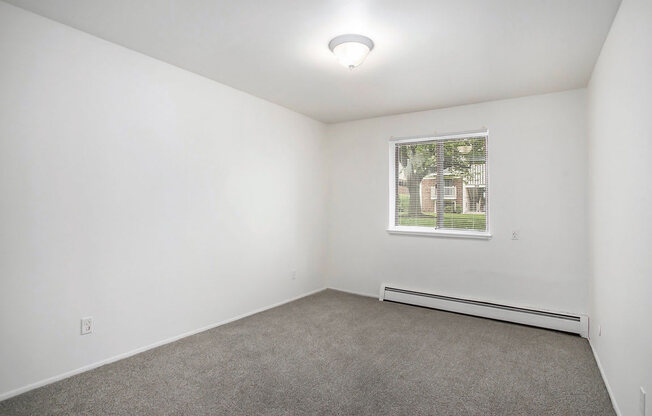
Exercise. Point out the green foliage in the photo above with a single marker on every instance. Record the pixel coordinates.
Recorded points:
(460, 163)
(451, 208)
(403, 203)
(453, 217)
(453, 221)
(420, 159)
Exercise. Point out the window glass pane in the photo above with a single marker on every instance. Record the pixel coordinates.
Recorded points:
(447, 177)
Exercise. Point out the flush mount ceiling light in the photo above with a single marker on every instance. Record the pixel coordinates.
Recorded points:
(351, 50)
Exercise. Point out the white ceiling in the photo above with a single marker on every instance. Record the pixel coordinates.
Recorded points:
(428, 54)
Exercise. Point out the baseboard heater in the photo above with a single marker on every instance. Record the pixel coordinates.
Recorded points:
(578, 324)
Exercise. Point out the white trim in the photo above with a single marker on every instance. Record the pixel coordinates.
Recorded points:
(429, 232)
(487, 178)
(392, 183)
(353, 292)
(49, 380)
(584, 326)
(533, 316)
(438, 137)
(476, 299)
(433, 195)
(604, 378)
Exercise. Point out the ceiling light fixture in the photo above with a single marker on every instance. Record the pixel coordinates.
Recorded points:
(351, 50)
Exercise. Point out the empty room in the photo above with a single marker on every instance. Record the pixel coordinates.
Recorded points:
(339, 207)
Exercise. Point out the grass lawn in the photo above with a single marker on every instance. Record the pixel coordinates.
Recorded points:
(460, 221)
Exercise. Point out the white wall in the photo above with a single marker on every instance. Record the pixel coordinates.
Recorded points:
(537, 151)
(151, 198)
(136, 192)
(620, 150)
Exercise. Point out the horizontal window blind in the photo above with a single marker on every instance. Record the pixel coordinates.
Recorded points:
(441, 184)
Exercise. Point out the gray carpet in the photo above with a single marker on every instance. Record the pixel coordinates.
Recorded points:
(339, 354)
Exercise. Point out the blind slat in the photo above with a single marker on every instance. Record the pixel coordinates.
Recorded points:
(441, 184)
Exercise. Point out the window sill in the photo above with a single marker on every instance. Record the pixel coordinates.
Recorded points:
(439, 233)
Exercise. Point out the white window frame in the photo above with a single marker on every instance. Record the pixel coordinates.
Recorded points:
(433, 193)
(428, 231)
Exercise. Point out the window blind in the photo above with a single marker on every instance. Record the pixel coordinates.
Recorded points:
(441, 183)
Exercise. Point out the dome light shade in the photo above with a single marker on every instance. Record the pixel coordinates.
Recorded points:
(351, 50)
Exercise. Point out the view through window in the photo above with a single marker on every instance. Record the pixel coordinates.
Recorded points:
(441, 184)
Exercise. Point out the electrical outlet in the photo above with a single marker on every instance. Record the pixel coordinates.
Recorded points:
(515, 235)
(87, 325)
(599, 330)
(294, 274)
(641, 402)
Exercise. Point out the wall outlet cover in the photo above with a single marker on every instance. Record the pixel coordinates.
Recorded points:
(87, 325)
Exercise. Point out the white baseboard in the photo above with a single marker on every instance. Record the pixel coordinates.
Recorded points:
(369, 295)
(606, 382)
(538, 317)
(49, 380)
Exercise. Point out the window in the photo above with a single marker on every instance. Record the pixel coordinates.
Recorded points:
(439, 185)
